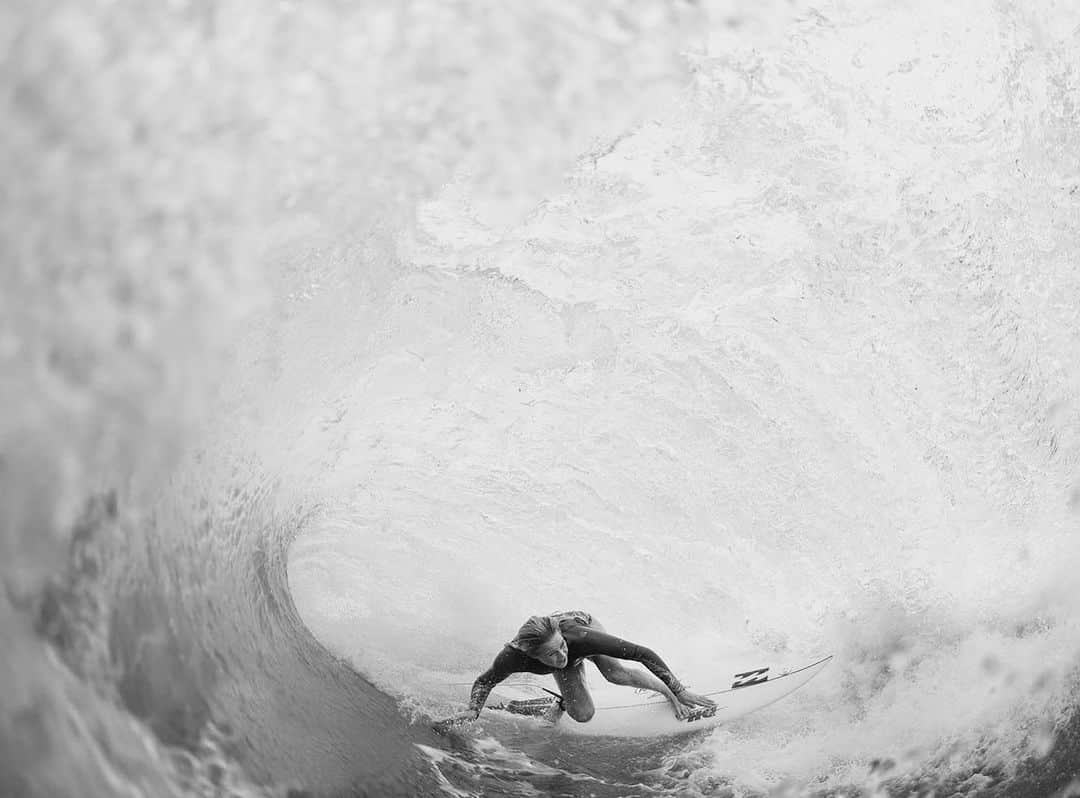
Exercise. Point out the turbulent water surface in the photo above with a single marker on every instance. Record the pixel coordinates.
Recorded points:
(338, 338)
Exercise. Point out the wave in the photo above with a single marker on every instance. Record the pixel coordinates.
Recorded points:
(337, 341)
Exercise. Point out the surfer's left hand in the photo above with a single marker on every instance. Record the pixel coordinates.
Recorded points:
(688, 698)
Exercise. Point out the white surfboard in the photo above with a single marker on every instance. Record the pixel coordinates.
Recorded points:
(625, 713)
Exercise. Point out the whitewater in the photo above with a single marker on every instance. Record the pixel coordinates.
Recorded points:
(336, 339)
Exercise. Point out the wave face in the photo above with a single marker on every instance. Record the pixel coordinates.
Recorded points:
(338, 339)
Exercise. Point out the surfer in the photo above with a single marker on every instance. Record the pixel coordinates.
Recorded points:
(559, 644)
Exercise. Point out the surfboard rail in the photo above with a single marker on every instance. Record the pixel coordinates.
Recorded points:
(750, 691)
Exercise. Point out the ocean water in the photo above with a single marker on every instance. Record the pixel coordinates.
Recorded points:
(338, 338)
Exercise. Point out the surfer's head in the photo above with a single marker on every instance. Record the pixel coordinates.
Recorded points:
(540, 638)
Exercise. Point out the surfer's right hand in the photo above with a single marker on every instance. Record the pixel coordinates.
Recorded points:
(446, 724)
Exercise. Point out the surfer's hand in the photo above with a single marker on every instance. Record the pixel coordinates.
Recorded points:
(690, 699)
(680, 711)
(446, 724)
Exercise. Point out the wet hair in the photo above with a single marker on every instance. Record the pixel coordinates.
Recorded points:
(534, 633)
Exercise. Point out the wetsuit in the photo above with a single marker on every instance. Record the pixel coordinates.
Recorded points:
(581, 642)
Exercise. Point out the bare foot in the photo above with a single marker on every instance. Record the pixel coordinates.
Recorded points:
(553, 713)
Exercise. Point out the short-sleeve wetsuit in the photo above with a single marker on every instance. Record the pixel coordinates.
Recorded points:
(581, 642)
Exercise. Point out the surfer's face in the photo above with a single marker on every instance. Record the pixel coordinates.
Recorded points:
(553, 651)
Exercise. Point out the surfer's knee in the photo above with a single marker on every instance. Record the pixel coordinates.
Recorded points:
(580, 713)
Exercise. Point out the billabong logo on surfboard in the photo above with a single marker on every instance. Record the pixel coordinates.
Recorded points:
(702, 713)
(750, 677)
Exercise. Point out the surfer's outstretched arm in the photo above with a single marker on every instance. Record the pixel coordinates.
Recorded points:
(602, 643)
(507, 662)
(614, 647)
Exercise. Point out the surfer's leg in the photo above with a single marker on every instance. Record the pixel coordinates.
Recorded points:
(616, 672)
(612, 669)
(553, 713)
(576, 699)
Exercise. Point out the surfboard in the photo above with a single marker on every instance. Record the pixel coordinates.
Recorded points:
(624, 713)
